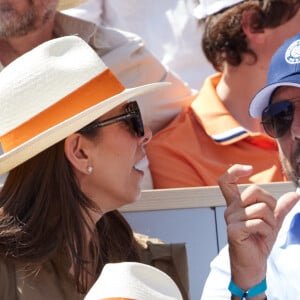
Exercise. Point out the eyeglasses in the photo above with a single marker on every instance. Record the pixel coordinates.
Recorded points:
(132, 117)
(277, 117)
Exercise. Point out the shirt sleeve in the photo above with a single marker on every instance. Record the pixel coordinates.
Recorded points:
(216, 285)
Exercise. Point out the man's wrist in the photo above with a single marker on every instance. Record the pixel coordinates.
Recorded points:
(255, 292)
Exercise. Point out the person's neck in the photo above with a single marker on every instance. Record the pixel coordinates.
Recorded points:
(237, 87)
(12, 48)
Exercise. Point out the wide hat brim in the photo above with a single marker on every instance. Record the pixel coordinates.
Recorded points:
(262, 99)
(66, 4)
(46, 139)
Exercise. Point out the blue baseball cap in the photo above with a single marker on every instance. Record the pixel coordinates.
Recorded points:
(284, 70)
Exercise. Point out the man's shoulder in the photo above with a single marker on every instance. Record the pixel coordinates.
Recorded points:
(101, 38)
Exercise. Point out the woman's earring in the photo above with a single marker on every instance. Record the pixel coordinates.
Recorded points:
(90, 169)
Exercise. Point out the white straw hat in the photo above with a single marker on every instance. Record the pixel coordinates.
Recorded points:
(210, 7)
(66, 4)
(51, 92)
(133, 281)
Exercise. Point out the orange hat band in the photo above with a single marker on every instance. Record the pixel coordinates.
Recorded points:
(94, 91)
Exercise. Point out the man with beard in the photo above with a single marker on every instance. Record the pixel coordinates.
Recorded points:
(264, 234)
(24, 24)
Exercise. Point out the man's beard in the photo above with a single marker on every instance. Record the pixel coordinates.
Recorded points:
(291, 167)
(15, 24)
(12, 24)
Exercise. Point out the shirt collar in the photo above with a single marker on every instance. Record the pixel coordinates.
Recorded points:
(214, 116)
(217, 121)
(67, 25)
(289, 233)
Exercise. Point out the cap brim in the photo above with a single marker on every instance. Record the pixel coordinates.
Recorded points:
(53, 135)
(262, 98)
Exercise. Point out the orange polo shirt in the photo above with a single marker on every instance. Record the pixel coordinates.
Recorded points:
(204, 140)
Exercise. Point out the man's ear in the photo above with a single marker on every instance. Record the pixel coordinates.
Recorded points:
(76, 151)
(249, 25)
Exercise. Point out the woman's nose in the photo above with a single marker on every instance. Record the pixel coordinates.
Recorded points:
(147, 135)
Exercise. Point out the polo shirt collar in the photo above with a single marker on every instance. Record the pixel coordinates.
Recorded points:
(214, 117)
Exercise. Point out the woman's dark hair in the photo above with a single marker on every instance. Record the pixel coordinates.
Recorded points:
(42, 212)
(223, 38)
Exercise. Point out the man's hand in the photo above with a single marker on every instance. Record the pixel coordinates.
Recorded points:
(253, 220)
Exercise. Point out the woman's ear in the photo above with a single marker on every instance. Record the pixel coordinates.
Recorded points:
(76, 151)
(249, 22)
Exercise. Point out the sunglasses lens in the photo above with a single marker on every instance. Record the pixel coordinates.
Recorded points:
(136, 122)
(277, 118)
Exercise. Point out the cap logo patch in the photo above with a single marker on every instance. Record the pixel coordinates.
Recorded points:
(292, 54)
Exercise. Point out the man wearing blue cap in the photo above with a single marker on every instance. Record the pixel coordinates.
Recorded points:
(262, 257)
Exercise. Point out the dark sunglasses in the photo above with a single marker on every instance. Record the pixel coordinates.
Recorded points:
(277, 117)
(132, 117)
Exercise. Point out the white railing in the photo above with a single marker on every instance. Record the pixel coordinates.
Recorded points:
(194, 197)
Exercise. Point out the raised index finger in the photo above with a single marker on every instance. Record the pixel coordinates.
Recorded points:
(228, 181)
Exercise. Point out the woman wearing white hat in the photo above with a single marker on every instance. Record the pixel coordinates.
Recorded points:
(73, 149)
(26, 24)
